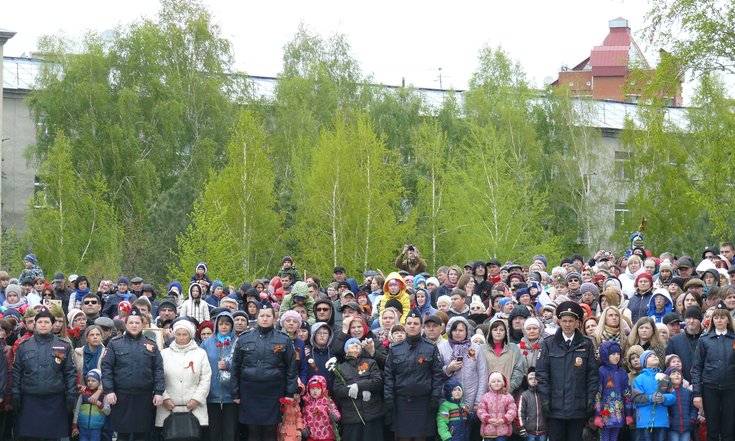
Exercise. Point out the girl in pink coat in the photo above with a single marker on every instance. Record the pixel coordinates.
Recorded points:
(497, 409)
(320, 413)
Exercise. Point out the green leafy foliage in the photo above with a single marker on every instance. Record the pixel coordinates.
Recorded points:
(74, 228)
(351, 200)
(235, 227)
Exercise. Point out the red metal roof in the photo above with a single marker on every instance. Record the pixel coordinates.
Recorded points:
(609, 56)
(618, 37)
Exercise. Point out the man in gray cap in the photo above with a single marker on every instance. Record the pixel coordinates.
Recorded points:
(136, 286)
(567, 371)
(61, 290)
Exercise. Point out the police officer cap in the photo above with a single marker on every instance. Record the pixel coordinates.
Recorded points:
(45, 312)
(415, 313)
(134, 311)
(569, 308)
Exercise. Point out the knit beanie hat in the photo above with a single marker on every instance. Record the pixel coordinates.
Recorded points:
(502, 302)
(186, 325)
(672, 369)
(644, 357)
(289, 314)
(350, 342)
(444, 299)
(95, 373)
(496, 376)
(643, 275)
(588, 287)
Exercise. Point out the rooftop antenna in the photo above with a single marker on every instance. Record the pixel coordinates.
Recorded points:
(440, 78)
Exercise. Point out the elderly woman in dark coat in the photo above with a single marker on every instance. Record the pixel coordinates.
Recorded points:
(361, 399)
(263, 371)
(44, 382)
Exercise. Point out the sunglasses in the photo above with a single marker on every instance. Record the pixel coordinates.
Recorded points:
(90, 302)
(322, 309)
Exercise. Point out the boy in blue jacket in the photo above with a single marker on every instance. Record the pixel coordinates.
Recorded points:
(651, 397)
(683, 414)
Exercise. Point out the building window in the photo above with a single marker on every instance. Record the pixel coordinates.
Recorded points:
(622, 215)
(623, 170)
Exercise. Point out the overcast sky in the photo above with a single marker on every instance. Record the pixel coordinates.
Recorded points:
(391, 39)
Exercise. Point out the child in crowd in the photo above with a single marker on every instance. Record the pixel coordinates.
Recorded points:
(673, 360)
(531, 420)
(547, 318)
(612, 402)
(651, 397)
(478, 339)
(320, 413)
(683, 414)
(497, 409)
(292, 425)
(660, 304)
(30, 268)
(397, 334)
(202, 278)
(90, 418)
(452, 420)
(633, 360)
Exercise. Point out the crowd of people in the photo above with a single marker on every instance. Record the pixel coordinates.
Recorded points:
(636, 347)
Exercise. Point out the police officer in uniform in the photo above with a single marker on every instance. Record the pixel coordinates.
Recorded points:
(132, 377)
(263, 371)
(414, 380)
(567, 375)
(44, 382)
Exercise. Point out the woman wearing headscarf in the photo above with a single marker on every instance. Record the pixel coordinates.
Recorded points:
(132, 377)
(530, 344)
(357, 327)
(462, 361)
(263, 371)
(221, 410)
(44, 382)
(388, 317)
(187, 374)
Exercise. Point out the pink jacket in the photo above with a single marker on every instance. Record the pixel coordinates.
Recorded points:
(497, 405)
(317, 412)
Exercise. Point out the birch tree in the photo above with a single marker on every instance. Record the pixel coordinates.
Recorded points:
(72, 226)
(235, 227)
(349, 214)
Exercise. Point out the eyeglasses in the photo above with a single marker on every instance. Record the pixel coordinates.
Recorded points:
(322, 309)
(573, 280)
(90, 302)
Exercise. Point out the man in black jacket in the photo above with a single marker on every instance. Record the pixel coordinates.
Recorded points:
(684, 343)
(567, 376)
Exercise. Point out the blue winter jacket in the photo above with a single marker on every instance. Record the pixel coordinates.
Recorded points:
(644, 386)
(682, 412)
(219, 390)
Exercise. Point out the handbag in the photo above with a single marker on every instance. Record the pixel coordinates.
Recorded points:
(181, 426)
